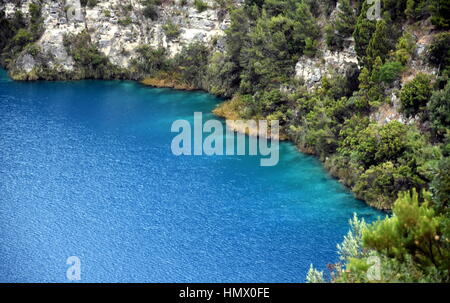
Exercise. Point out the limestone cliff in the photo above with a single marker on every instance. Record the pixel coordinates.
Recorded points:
(117, 28)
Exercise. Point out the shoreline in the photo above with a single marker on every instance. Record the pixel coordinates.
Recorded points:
(228, 111)
(167, 82)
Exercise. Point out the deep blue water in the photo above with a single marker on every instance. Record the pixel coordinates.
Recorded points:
(86, 170)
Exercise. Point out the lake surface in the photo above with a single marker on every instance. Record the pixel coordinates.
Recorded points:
(86, 170)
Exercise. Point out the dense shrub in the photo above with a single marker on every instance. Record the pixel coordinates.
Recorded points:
(149, 61)
(200, 6)
(390, 71)
(171, 30)
(416, 94)
(364, 29)
(89, 3)
(90, 62)
(222, 75)
(441, 13)
(380, 43)
(192, 63)
(439, 110)
(151, 9)
(440, 50)
(16, 33)
(404, 49)
(342, 27)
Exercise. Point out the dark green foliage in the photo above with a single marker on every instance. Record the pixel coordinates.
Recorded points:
(274, 45)
(90, 62)
(417, 9)
(376, 144)
(404, 49)
(416, 94)
(222, 76)
(192, 63)
(151, 9)
(89, 3)
(16, 34)
(379, 44)
(371, 88)
(440, 51)
(440, 187)
(363, 32)
(200, 6)
(22, 38)
(171, 30)
(343, 27)
(390, 71)
(410, 246)
(441, 13)
(388, 159)
(439, 110)
(416, 233)
(149, 61)
(9, 27)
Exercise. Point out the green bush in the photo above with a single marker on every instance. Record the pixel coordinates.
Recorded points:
(390, 71)
(416, 94)
(22, 38)
(171, 30)
(151, 9)
(200, 6)
(192, 63)
(410, 246)
(441, 13)
(440, 50)
(405, 48)
(364, 29)
(342, 27)
(125, 21)
(149, 61)
(439, 110)
(89, 3)
(89, 61)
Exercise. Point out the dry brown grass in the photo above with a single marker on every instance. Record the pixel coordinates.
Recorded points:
(167, 80)
(230, 111)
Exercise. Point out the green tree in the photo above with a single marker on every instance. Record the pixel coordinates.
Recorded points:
(409, 246)
(342, 27)
(379, 44)
(440, 187)
(415, 231)
(390, 71)
(192, 63)
(439, 110)
(441, 13)
(363, 32)
(416, 94)
(440, 50)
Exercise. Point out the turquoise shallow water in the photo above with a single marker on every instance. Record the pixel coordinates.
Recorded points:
(86, 170)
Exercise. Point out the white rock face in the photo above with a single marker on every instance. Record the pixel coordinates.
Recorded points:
(27, 62)
(60, 18)
(119, 27)
(311, 70)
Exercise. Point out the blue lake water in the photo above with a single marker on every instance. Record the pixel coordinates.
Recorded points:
(86, 170)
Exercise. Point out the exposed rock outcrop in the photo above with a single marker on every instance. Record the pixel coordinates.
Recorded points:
(117, 28)
(312, 70)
